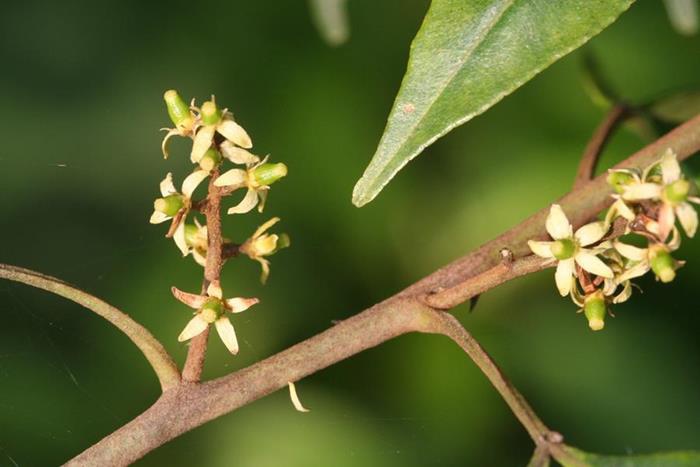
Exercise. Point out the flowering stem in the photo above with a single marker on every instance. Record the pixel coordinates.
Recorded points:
(192, 371)
(589, 159)
(152, 349)
(189, 406)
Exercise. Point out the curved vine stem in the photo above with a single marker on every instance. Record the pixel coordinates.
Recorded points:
(152, 349)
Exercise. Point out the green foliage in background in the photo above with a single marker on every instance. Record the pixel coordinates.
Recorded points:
(81, 89)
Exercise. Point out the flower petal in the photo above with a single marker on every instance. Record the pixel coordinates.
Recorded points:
(227, 334)
(232, 131)
(234, 178)
(191, 300)
(675, 241)
(192, 182)
(625, 294)
(246, 204)
(263, 198)
(164, 145)
(541, 249)
(641, 191)
(591, 233)
(200, 258)
(261, 230)
(295, 398)
(670, 170)
(688, 218)
(630, 252)
(593, 264)
(635, 271)
(214, 290)
(239, 304)
(202, 142)
(564, 276)
(179, 237)
(159, 217)
(265, 264)
(166, 185)
(619, 208)
(238, 155)
(557, 224)
(195, 327)
(667, 219)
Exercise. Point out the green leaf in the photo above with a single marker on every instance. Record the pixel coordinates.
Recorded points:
(574, 457)
(467, 56)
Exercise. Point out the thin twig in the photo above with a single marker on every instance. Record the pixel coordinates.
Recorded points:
(595, 146)
(189, 406)
(450, 297)
(152, 349)
(192, 371)
(448, 325)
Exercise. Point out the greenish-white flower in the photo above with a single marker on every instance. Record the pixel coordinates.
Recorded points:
(656, 257)
(181, 115)
(193, 239)
(212, 308)
(671, 189)
(262, 244)
(213, 121)
(568, 248)
(175, 205)
(257, 179)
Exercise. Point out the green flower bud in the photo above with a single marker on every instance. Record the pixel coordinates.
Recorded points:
(210, 160)
(563, 249)
(191, 232)
(170, 205)
(211, 310)
(662, 263)
(618, 180)
(283, 241)
(178, 110)
(678, 191)
(210, 114)
(595, 310)
(267, 174)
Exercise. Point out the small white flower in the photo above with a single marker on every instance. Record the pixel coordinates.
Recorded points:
(656, 257)
(257, 179)
(181, 115)
(568, 248)
(193, 239)
(671, 189)
(262, 244)
(174, 205)
(213, 121)
(212, 308)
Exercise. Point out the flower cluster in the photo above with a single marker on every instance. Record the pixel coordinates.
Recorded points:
(595, 270)
(216, 138)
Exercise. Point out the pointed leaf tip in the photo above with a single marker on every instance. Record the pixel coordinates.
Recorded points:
(465, 58)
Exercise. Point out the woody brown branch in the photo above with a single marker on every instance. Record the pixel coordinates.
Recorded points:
(190, 405)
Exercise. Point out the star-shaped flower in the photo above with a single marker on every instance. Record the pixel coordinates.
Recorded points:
(257, 179)
(193, 239)
(212, 308)
(181, 115)
(262, 244)
(174, 205)
(664, 181)
(212, 121)
(657, 257)
(568, 248)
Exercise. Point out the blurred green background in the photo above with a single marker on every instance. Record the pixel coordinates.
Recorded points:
(81, 90)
